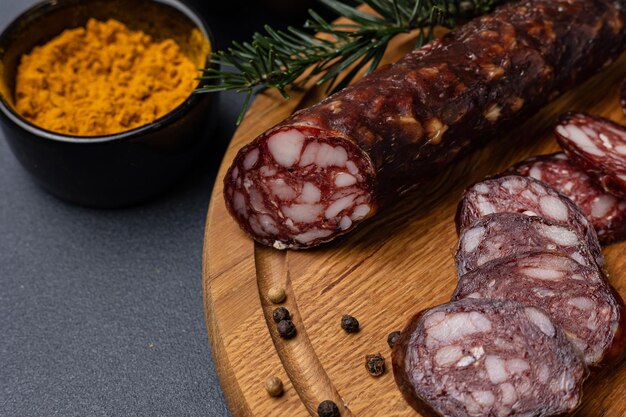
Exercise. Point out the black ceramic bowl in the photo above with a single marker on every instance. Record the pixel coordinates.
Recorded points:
(114, 170)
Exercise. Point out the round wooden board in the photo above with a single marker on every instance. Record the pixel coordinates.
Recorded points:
(383, 273)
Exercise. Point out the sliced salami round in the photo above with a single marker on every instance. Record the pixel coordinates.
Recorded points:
(576, 297)
(487, 358)
(606, 212)
(300, 187)
(598, 147)
(517, 194)
(499, 235)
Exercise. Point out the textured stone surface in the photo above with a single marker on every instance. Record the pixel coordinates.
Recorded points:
(101, 312)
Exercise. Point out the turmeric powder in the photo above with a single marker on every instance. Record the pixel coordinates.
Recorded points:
(102, 79)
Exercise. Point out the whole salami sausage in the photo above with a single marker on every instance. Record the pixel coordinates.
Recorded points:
(606, 212)
(597, 146)
(517, 194)
(577, 298)
(487, 358)
(327, 168)
(499, 235)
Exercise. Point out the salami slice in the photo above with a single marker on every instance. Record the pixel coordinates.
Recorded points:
(598, 147)
(487, 358)
(329, 167)
(517, 194)
(576, 297)
(606, 212)
(499, 235)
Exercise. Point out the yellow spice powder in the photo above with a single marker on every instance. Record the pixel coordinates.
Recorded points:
(102, 79)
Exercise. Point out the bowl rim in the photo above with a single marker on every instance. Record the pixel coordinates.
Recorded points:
(193, 99)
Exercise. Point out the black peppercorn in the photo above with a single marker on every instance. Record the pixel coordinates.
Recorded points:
(375, 364)
(392, 339)
(349, 324)
(328, 409)
(280, 314)
(286, 329)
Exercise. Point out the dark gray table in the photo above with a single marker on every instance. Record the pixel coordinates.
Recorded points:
(101, 312)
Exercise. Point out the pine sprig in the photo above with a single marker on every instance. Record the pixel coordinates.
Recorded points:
(278, 59)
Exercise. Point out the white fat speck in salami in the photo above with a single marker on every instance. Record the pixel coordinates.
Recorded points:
(583, 303)
(345, 223)
(251, 159)
(285, 147)
(352, 168)
(448, 355)
(602, 206)
(456, 327)
(597, 149)
(256, 201)
(471, 238)
(344, 180)
(513, 362)
(310, 193)
(502, 234)
(311, 235)
(281, 189)
(331, 156)
(575, 297)
(508, 394)
(525, 195)
(517, 365)
(310, 154)
(541, 320)
(543, 274)
(267, 223)
(303, 213)
(338, 206)
(554, 208)
(239, 203)
(496, 369)
(535, 172)
(559, 235)
(360, 212)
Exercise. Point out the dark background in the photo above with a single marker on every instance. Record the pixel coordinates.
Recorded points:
(101, 312)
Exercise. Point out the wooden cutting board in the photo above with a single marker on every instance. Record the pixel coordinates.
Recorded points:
(382, 273)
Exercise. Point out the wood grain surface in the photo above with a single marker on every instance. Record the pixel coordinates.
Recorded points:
(382, 273)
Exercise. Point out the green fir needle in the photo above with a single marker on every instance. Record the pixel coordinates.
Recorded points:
(278, 59)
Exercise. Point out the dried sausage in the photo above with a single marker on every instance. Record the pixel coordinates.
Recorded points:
(329, 167)
(606, 212)
(598, 147)
(477, 357)
(517, 194)
(499, 235)
(576, 297)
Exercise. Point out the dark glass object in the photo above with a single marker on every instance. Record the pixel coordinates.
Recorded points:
(115, 170)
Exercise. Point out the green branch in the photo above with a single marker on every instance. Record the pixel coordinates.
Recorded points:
(278, 59)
